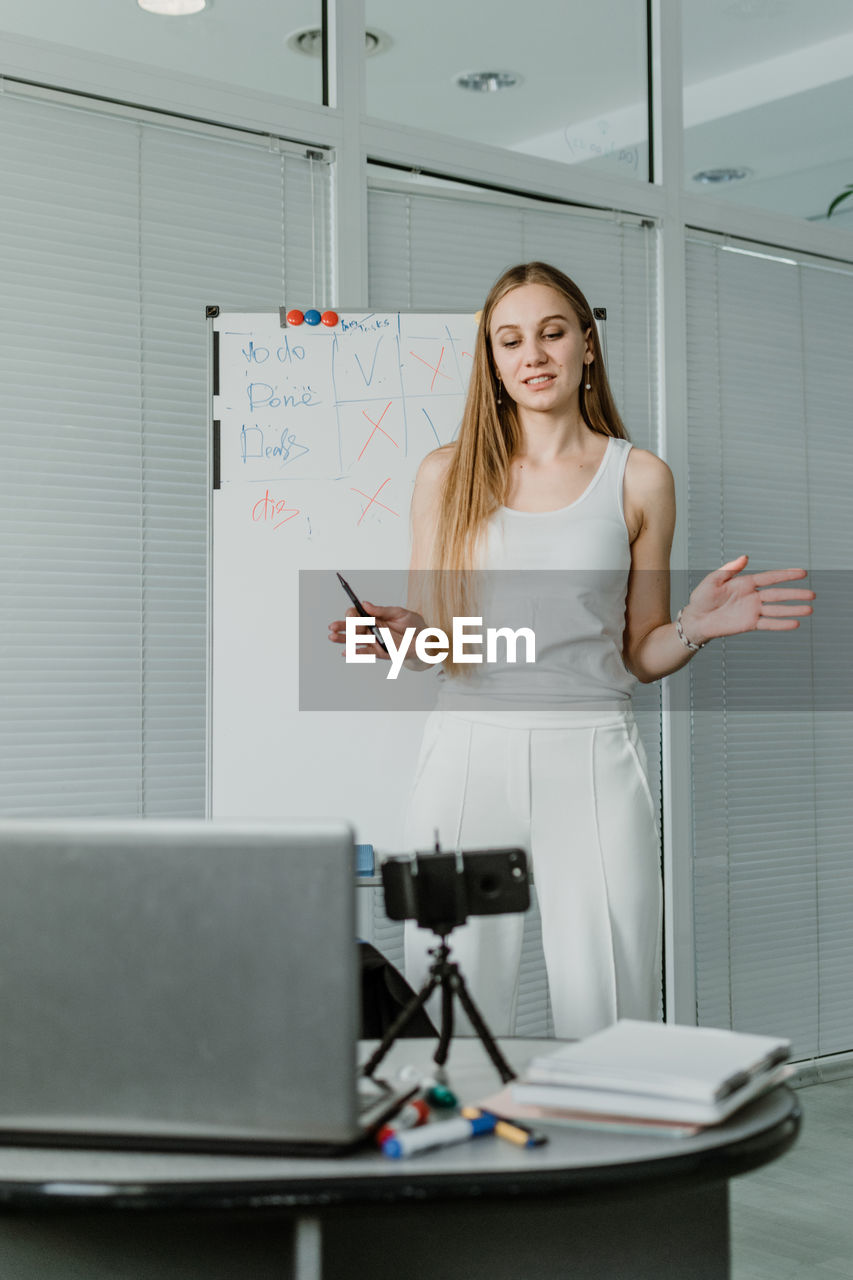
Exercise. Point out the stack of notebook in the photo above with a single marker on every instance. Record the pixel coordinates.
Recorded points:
(650, 1077)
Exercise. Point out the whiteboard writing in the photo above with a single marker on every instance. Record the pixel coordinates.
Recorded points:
(321, 432)
(364, 402)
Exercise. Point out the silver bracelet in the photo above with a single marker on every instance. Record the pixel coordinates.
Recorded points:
(688, 644)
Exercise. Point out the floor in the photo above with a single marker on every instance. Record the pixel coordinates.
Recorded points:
(793, 1220)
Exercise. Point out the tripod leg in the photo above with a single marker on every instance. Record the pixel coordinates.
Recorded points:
(440, 1055)
(400, 1023)
(503, 1068)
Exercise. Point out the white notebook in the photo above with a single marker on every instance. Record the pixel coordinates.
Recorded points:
(703, 1064)
(590, 1101)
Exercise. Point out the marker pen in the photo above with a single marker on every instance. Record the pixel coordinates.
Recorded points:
(360, 610)
(442, 1098)
(443, 1133)
(512, 1130)
(410, 1116)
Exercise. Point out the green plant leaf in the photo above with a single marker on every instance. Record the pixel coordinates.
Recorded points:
(845, 195)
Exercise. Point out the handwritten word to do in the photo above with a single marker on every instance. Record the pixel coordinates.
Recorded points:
(285, 354)
(272, 510)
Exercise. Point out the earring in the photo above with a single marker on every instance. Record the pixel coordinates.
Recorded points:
(500, 389)
(588, 384)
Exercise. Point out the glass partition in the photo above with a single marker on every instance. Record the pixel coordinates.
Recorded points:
(565, 82)
(768, 99)
(272, 46)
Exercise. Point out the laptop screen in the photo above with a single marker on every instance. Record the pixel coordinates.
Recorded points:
(178, 980)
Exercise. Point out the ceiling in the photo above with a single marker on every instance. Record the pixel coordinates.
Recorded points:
(768, 83)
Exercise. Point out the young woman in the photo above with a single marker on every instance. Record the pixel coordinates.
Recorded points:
(543, 509)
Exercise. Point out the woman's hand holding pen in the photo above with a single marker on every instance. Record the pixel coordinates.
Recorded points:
(728, 602)
(397, 620)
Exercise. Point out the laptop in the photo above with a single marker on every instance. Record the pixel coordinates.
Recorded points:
(181, 985)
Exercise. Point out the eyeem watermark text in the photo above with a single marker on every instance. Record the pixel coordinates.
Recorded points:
(433, 646)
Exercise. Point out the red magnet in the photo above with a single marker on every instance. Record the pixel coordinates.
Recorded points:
(295, 317)
(330, 318)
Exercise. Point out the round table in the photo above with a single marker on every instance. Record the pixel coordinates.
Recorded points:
(589, 1203)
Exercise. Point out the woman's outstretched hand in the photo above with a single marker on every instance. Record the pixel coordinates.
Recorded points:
(397, 619)
(729, 601)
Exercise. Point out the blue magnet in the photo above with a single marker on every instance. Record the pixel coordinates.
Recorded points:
(312, 317)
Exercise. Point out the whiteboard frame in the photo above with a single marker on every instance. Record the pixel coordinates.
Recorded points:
(215, 805)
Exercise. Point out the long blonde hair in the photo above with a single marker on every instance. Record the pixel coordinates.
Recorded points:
(477, 479)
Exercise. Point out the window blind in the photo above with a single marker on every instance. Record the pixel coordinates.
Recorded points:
(770, 465)
(429, 250)
(115, 232)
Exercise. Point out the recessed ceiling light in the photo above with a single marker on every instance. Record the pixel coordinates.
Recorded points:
(717, 176)
(487, 81)
(310, 42)
(173, 8)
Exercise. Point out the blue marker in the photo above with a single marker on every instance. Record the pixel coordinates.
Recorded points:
(312, 316)
(444, 1133)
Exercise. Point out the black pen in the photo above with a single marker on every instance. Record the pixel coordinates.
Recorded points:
(361, 609)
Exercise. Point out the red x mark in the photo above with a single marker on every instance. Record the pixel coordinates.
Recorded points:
(370, 501)
(376, 427)
(435, 367)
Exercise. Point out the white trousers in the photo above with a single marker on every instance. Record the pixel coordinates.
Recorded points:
(571, 789)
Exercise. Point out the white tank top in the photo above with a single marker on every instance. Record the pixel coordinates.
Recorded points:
(563, 574)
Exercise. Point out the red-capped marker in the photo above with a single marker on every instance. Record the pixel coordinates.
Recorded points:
(411, 1116)
(295, 317)
(329, 318)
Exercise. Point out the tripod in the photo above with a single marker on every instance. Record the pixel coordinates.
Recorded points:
(443, 973)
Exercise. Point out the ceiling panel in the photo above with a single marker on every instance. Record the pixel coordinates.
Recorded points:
(768, 83)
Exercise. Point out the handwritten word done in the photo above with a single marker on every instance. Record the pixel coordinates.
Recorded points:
(263, 394)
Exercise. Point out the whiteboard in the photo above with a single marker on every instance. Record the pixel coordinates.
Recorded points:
(318, 434)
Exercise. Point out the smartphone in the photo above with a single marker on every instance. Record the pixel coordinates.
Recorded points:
(441, 890)
(361, 610)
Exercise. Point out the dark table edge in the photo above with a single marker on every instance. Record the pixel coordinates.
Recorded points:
(713, 1164)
